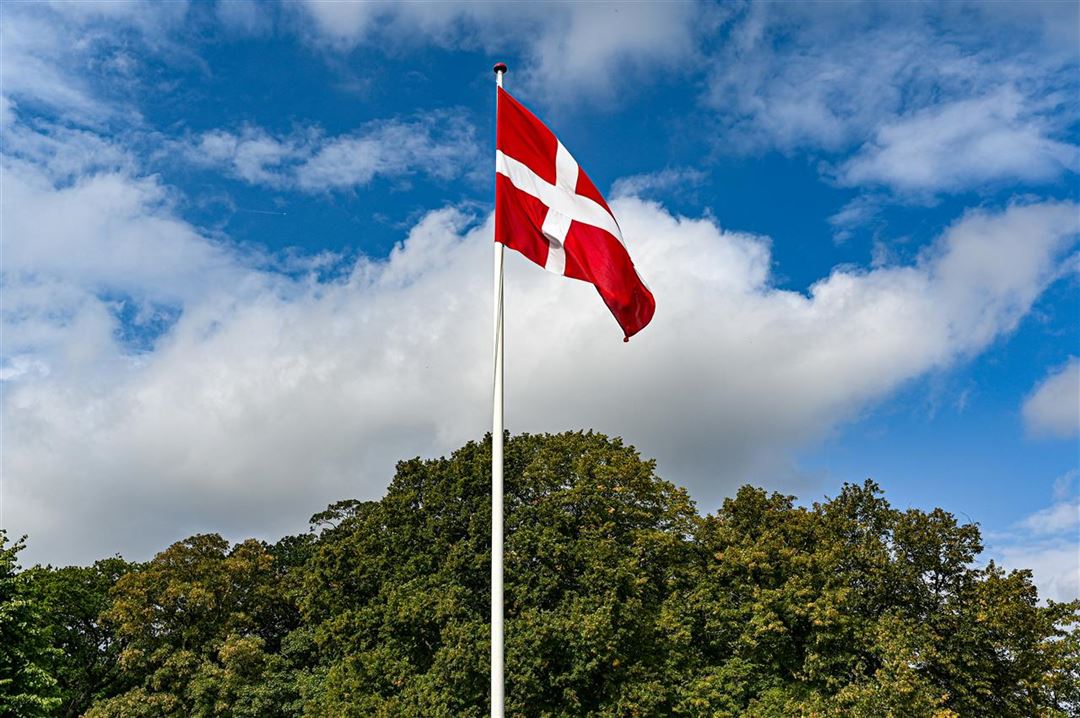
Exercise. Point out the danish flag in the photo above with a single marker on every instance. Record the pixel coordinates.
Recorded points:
(548, 209)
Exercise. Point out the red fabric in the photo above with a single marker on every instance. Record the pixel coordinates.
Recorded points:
(596, 256)
(518, 218)
(587, 188)
(521, 136)
(592, 254)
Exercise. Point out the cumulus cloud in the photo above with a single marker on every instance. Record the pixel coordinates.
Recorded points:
(1047, 542)
(1053, 408)
(159, 380)
(441, 145)
(1053, 564)
(267, 395)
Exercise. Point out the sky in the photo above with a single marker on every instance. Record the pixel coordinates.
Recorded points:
(246, 257)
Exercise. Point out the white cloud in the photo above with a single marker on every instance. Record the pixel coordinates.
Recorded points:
(1061, 517)
(63, 154)
(35, 52)
(1063, 485)
(809, 90)
(1053, 408)
(856, 213)
(83, 234)
(107, 232)
(666, 180)
(152, 18)
(1048, 543)
(7, 111)
(245, 16)
(270, 396)
(55, 54)
(441, 145)
(251, 154)
(577, 51)
(265, 395)
(343, 24)
(961, 144)
(940, 97)
(1054, 564)
(598, 48)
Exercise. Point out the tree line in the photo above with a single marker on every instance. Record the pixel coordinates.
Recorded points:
(621, 600)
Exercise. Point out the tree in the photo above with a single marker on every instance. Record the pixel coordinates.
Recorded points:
(86, 662)
(397, 589)
(851, 608)
(201, 627)
(26, 687)
(621, 600)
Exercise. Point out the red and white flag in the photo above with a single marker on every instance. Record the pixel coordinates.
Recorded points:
(548, 209)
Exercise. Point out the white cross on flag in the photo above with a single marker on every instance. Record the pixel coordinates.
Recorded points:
(550, 211)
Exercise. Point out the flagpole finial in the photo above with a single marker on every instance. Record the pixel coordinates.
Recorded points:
(500, 67)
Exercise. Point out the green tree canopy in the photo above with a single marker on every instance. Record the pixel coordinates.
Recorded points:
(85, 661)
(27, 689)
(201, 627)
(621, 600)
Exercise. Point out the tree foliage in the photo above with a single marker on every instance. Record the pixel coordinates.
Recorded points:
(27, 689)
(201, 627)
(621, 600)
(86, 656)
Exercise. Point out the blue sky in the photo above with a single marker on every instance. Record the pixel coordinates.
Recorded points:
(246, 249)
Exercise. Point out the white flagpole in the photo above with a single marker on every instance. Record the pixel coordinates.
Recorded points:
(497, 687)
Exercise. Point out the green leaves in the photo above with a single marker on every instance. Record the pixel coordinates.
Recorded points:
(85, 662)
(621, 600)
(200, 627)
(27, 687)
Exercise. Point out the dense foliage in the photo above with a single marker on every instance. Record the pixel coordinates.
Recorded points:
(621, 600)
(26, 686)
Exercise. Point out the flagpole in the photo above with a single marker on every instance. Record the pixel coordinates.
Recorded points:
(497, 686)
